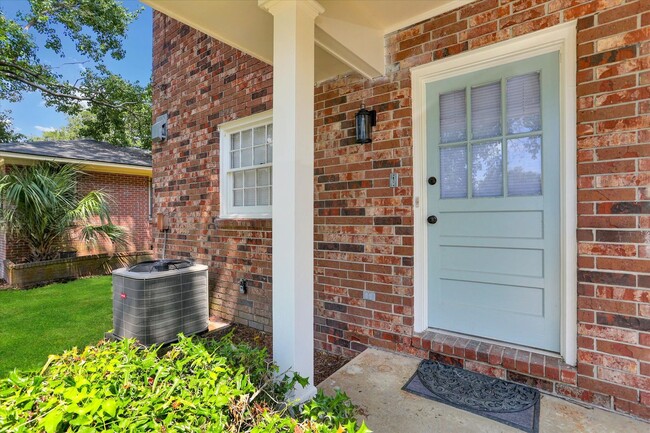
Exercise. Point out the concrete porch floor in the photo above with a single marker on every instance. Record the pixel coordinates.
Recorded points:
(374, 379)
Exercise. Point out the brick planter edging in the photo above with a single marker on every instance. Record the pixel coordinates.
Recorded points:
(24, 275)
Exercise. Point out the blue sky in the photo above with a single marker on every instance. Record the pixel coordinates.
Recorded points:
(31, 116)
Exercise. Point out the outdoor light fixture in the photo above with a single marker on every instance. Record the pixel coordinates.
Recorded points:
(365, 120)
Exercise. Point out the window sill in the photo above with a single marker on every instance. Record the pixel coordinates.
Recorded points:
(257, 222)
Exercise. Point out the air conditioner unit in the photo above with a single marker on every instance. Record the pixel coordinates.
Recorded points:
(154, 301)
(159, 129)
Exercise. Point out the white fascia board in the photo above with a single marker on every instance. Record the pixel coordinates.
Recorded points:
(106, 167)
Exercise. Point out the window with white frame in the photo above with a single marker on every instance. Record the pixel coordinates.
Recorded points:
(246, 150)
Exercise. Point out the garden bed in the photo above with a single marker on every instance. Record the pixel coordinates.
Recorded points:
(325, 364)
(25, 275)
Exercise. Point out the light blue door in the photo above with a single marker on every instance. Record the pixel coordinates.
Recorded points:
(494, 190)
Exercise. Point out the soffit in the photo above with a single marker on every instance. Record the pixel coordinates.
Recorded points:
(247, 27)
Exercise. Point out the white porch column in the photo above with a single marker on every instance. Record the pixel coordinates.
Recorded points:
(293, 186)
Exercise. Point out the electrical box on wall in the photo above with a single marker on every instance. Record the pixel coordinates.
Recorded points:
(162, 222)
(159, 129)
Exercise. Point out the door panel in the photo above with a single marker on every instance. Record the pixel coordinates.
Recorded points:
(493, 144)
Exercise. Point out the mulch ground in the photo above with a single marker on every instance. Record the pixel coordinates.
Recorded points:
(324, 363)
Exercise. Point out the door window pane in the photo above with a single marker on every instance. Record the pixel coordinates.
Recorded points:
(453, 172)
(453, 117)
(523, 104)
(487, 170)
(525, 166)
(486, 111)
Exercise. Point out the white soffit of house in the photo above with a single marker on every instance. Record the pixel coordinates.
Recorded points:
(349, 34)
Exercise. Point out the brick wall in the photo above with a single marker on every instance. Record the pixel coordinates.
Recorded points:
(200, 83)
(364, 229)
(129, 208)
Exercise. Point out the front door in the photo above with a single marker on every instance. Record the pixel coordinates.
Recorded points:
(494, 203)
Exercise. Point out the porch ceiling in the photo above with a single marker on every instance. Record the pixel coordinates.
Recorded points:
(349, 34)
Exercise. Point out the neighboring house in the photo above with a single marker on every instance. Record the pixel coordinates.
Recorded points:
(522, 126)
(122, 172)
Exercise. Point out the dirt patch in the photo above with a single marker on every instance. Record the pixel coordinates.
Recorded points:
(325, 364)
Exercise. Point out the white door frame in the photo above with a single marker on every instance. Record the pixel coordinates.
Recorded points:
(560, 38)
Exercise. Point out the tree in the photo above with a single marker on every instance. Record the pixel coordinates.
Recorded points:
(97, 29)
(7, 133)
(42, 208)
(120, 127)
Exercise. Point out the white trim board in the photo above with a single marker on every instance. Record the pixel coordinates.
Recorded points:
(561, 38)
(96, 166)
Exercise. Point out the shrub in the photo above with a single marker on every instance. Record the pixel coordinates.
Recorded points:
(195, 386)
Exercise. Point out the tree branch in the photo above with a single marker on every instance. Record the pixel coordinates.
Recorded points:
(56, 94)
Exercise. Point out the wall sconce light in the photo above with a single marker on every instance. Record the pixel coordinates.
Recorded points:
(365, 120)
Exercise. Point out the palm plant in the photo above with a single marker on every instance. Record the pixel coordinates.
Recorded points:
(41, 207)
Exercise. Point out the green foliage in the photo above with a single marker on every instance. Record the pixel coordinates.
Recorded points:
(130, 127)
(41, 207)
(120, 387)
(96, 28)
(7, 133)
(337, 410)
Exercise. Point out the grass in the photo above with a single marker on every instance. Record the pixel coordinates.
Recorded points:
(50, 319)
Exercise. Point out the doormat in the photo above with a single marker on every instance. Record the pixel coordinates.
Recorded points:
(506, 402)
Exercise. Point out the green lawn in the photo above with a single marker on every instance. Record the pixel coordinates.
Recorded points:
(35, 323)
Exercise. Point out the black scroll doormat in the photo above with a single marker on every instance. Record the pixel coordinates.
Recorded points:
(506, 402)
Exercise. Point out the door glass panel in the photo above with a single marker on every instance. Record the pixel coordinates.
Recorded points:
(453, 117)
(487, 170)
(453, 172)
(486, 111)
(525, 166)
(523, 104)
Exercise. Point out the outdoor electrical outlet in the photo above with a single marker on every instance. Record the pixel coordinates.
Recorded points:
(242, 286)
(368, 295)
(394, 180)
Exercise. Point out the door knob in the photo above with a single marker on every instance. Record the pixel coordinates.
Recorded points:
(432, 219)
(432, 180)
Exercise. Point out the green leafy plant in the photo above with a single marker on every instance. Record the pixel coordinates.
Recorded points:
(41, 207)
(194, 386)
